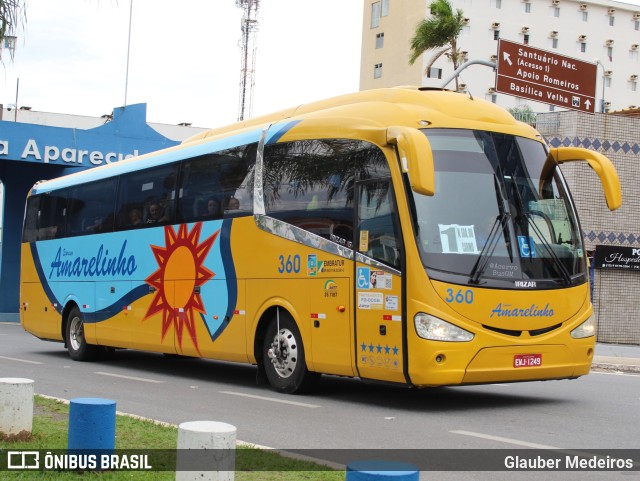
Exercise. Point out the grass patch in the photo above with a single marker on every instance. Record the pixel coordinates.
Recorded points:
(50, 430)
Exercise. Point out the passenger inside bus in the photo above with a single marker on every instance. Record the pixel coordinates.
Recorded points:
(213, 208)
(155, 214)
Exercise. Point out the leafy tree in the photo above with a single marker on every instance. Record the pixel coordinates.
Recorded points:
(438, 32)
(12, 16)
(523, 113)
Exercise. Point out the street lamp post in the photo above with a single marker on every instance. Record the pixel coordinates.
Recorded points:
(598, 63)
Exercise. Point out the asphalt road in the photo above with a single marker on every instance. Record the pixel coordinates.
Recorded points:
(598, 411)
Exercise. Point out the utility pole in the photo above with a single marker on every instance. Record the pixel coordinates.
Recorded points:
(249, 29)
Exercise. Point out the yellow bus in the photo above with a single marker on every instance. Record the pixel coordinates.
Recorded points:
(401, 235)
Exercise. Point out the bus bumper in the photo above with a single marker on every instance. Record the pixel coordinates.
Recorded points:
(509, 364)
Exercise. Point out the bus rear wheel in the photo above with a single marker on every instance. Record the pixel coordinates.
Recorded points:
(77, 345)
(283, 357)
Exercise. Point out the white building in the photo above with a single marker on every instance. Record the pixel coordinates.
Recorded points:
(605, 31)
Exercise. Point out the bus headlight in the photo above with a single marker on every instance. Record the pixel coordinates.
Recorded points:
(586, 329)
(434, 329)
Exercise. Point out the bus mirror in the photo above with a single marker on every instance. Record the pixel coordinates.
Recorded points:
(415, 156)
(598, 162)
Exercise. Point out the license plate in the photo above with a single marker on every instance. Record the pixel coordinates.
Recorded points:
(527, 360)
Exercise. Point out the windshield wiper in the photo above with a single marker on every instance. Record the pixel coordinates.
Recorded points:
(487, 250)
(557, 263)
(490, 245)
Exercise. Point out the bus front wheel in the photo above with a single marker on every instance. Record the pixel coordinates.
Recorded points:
(77, 345)
(283, 357)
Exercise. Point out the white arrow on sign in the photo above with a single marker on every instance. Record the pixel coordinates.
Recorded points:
(507, 58)
(588, 104)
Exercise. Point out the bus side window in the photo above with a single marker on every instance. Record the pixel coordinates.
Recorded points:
(138, 191)
(309, 184)
(30, 232)
(51, 217)
(379, 235)
(90, 208)
(207, 180)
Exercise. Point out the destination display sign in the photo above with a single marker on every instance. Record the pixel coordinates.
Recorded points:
(617, 257)
(543, 76)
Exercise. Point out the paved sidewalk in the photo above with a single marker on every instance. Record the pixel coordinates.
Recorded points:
(617, 357)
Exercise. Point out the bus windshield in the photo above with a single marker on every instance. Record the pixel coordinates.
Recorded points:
(493, 221)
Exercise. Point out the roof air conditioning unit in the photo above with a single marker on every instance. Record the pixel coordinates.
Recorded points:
(495, 25)
(607, 105)
(633, 77)
(636, 16)
(609, 42)
(608, 73)
(634, 47)
(465, 21)
(555, 3)
(461, 87)
(583, 6)
(464, 54)
(525, 29)
(553, 34)
(493, 58)
(582, 38)
(612, 11)
(491, 90)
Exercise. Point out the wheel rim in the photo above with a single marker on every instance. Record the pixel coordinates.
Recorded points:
(283, 353)
(76, 333)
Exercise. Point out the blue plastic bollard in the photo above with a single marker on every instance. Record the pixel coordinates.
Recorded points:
(92, 424)
(381, 471)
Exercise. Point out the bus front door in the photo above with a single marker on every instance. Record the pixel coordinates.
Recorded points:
(378, 284)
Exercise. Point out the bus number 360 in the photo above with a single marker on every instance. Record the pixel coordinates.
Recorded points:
(460, 297)
(289, 265)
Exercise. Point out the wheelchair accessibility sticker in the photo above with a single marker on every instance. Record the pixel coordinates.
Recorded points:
(363, 278)
(527, 246)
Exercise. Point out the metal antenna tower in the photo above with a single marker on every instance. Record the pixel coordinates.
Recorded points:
(249, 28)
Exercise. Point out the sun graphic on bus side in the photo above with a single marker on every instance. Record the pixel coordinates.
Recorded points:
(180, 271)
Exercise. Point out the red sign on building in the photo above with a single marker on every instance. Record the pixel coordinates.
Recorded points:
(544, 76)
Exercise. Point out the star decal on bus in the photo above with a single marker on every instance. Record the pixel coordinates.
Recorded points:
(180, 271)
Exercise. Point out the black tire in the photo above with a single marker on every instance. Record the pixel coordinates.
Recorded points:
(77, 345)
(286, 370)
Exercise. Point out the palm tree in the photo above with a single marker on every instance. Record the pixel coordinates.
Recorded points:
(12, 15)
(439, 31)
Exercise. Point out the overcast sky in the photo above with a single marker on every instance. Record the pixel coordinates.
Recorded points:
(185, 57)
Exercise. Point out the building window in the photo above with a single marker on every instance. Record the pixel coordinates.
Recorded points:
(555, 11)
(554, 43)
(612, 20)
(493, 98)
(610, 53)
(496, 34)
(434, 73)
(496, 3)
(377, 70)
(585, 16)
(385, 8)
(527, 7)
(607, 81)
(583, 47)
(633, 85)
(375, 14)
(526, 39)
(636, 25)
(380, 40)
(552, 108)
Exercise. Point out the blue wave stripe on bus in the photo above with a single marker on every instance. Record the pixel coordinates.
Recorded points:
(110, 311)
(232, 286)
(43, 279)
(283, 130)
(151, 160)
